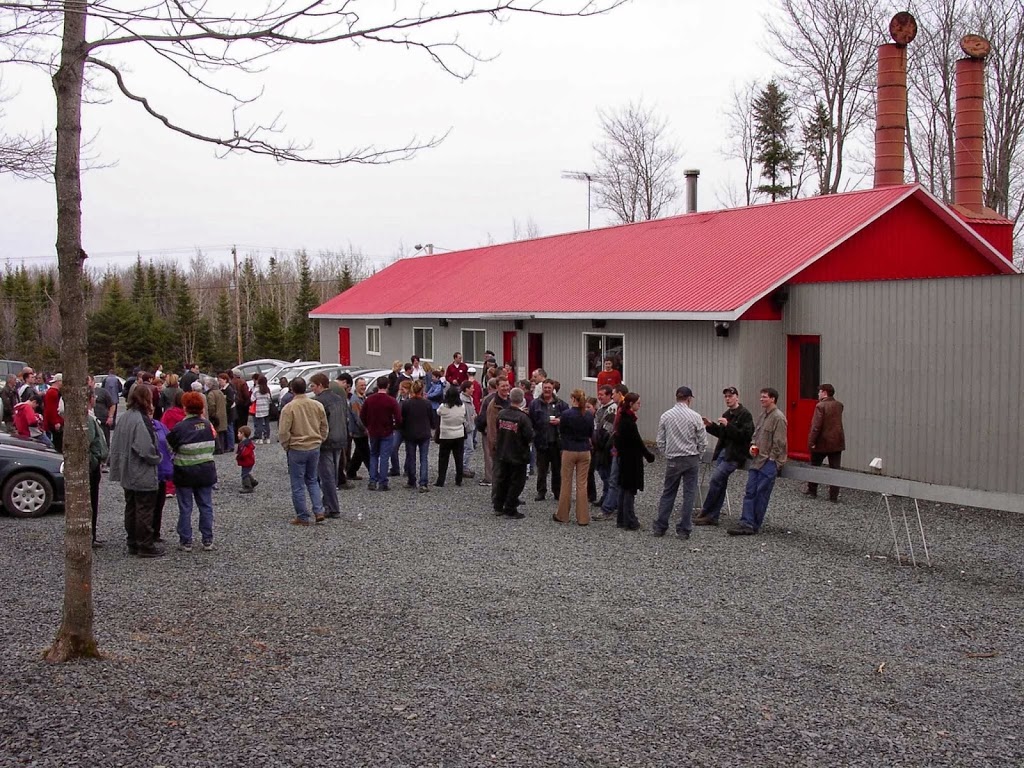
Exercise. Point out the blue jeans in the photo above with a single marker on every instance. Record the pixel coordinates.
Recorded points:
(759, 489)
(716, 488)
(380, 453)
(470, 448)
(204, 500)
(680, 469)
(611, 489)
(229, 436)
(302, 471)
(396, 444)
(261, 427)
(411, 446)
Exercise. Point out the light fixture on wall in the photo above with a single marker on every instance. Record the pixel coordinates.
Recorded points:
(722, 329)
(387, 321)
(780, 297)
(519, 324)
(598, 323)
(442, 322)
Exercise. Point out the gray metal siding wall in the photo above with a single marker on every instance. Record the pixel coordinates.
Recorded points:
(396, 340)
(930, 373)
(762, 359)
(658, 356)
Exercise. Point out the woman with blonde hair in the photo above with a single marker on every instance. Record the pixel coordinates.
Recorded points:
(575, 428)
(394, 377)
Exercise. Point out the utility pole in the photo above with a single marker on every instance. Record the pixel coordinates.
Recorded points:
(582, 176)
(238, 305)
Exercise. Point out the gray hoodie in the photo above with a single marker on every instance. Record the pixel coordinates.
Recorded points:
(133, 453)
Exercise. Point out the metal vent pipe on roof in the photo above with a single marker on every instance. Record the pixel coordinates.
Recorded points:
(891, 107)
(968, 174)
(691, 189)
(891, 115)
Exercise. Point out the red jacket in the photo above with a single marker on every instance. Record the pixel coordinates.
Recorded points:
(51, 403)
(612, 378)
(245, 453)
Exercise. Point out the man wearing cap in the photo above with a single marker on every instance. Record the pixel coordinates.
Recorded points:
(682, 440)
(733, 429)
(457, 371)
(768, 454)
(512, 453)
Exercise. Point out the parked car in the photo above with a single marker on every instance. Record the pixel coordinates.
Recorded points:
(290, 372)
(31, 477)
(262, 365)
(11, 368)
(100, 378)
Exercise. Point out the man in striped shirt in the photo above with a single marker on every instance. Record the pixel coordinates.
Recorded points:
(682, 439)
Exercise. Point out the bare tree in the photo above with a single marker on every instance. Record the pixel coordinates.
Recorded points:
(211, 49)
(932, 103)
(634, 174)
(931, 92)
(827, 50)
(25, 155)
(1002, 22)
(740, 135)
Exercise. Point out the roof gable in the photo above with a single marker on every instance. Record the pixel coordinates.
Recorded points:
(700, 265)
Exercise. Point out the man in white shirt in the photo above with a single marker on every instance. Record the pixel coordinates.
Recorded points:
(682, 440)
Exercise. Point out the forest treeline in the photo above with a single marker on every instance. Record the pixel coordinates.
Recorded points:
(161, 312)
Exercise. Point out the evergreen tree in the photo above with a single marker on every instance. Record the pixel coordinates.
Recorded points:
(152, 292)
(345, 279)
(111, 328)
(224, 348)
(26, 318)
(268, 335)
(303, 333)
(818, 132)
(138, 282)
(163, 299)
(186, 324)
(775, 152)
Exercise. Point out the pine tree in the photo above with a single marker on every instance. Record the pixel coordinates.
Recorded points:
(138, 282)
(268, 335)
(26, 320)
(225, 333)
(345, 279)
(186, 324)
(304, 333)
(110, 329)
(775, 152)
(817, 136)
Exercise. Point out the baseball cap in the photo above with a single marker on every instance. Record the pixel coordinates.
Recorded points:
(471, 369)
(684, 392)
(730, 391)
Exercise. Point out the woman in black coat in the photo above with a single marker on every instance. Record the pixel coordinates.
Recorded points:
(632, 453)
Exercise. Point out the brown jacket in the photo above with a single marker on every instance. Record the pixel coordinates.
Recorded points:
(217, 406)
(770, 438)
(827, 434)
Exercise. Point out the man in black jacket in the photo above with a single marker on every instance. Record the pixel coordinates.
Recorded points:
(511, 456)
(734, 430)
(331, 448)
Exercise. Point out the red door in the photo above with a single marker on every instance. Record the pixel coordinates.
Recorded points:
(508, 346)
(344, 347)
(535, 352)
(803, 374)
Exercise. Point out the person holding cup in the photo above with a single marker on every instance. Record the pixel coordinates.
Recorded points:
(545, 413)
(767, 455)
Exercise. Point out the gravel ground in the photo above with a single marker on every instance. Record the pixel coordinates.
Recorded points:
(434, 634)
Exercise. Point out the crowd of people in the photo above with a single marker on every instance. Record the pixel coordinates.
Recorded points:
(165, 442)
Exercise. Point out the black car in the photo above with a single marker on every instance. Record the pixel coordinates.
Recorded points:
(31, 476)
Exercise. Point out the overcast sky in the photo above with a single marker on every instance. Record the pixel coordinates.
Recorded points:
(515, 126)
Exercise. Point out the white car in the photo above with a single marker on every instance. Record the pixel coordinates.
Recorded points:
(263, 365)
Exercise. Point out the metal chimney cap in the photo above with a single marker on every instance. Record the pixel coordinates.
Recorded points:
(975, 46)
(692, 172)
(903, 28)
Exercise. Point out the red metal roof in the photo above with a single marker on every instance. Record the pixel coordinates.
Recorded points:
(697, 265)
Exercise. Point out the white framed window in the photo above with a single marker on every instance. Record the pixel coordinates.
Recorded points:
(474, 344)
(599, 346)
(373, 340)
(423, 343)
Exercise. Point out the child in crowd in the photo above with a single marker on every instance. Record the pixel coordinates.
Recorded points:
(245, 455)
